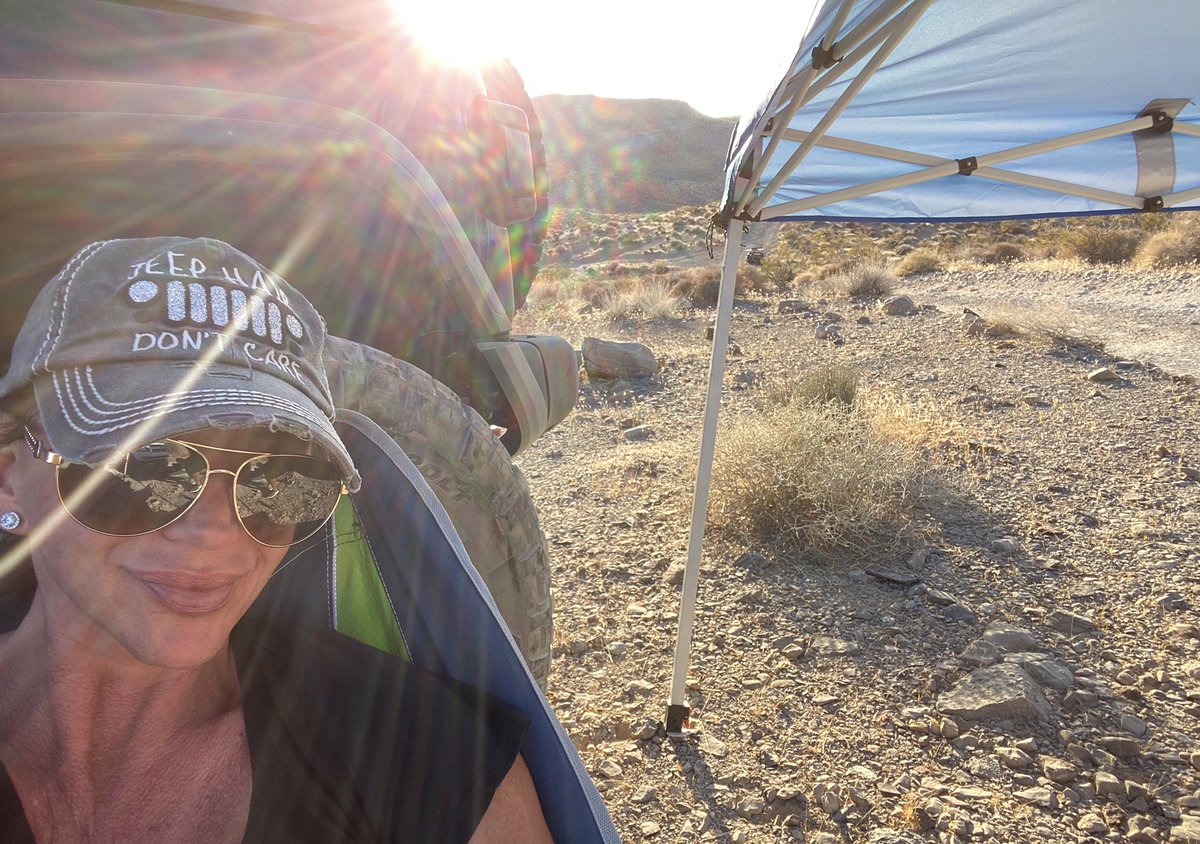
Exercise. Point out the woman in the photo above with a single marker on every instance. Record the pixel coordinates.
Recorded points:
(166, 436)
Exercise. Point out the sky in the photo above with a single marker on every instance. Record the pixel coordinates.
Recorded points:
(621, 48)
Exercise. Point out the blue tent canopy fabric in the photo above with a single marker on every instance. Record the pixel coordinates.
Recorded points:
(911, 88)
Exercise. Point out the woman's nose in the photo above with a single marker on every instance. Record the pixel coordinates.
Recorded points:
(213, 512)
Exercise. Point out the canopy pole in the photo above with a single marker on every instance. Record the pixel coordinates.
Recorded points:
(678, 710)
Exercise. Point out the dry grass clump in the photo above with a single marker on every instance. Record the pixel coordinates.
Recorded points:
(1175, 245)
(832, 384)
(656, 300)
(1100, 243)
(866, 278)
(1050, 323)
(1001, 253)
(819, 475)
(701, 286)
(919, 261)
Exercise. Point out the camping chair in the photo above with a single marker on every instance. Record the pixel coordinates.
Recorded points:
(391, 572)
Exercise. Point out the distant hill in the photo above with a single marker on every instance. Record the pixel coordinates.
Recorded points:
(619, 156)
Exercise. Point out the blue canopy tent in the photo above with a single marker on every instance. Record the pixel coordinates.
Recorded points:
(956, 110)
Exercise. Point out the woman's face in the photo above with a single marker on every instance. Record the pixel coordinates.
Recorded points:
(167, 598)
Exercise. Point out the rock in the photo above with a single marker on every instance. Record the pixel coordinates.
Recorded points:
(980, 654)
(937, 596)
(710, 746)
(972, 323)
(1009, 637)
(1005, 545)
(1046, 671)
(1001, 692)
(1038, 796)
(610, 770)
(674, 575)
(1014, 757)
(750, 807)
(640, 688)
(1108, 785)
(638, 433)
(1122, 746)
(894, 836)
(650, 829)
(1133, 725)
(1103, 375)
(578, 647)
(1173, 602)
(1056, 770)
(960, 613)
(949, 728)
(828, 331)
(1188, 832)
(1070, 623)
(615, 359)
(792, 306)
(645, 729)
(829, 646)
(898, 306)
(1091, 824)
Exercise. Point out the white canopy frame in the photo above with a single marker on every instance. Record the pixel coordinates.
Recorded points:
(869, 43)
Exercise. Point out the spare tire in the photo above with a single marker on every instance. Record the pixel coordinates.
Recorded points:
(473, 476)
(503, 83)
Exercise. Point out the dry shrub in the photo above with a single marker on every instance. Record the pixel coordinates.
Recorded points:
(618, 304)
(1102, 243)
(1178, 244)
(1001, 253)
(831, 384)
(1052, 323)
(863, 278)
(817, 475)
(702, 285)
(919, 261)
(656, 300)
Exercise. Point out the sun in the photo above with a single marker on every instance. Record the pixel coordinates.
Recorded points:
(465, 33)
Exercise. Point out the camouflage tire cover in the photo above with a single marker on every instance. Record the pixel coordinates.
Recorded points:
(471, 473)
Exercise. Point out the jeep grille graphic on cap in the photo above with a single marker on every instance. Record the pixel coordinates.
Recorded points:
(217, 306)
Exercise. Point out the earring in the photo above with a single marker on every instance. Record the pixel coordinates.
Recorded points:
(10, 520)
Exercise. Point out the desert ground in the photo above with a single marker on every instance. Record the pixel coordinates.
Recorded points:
(950, 581)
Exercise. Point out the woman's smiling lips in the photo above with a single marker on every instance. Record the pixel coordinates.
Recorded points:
(188, 594)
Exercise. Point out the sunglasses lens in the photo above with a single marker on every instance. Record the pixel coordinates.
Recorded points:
(136, 493)
(282, 499)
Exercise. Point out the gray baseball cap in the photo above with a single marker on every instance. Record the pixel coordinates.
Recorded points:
(135, 340)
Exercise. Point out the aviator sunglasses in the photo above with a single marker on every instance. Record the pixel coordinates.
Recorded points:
(279, 499)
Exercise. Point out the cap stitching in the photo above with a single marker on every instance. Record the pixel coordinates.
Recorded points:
(154, 406)
(60, 304)
(99, 397)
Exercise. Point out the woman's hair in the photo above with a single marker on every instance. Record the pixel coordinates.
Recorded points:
(16, 411)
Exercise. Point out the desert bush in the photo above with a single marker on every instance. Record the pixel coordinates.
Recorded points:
(833, 384)
(618, 304)
(816, 475)
(919, 261)
(656, 300)
(702, 285)
(1001, 253)
(1175, 245)
(1100, 243)
(864, 278)
(1050, 323)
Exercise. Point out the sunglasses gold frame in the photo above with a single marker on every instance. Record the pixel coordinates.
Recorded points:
(58, 462)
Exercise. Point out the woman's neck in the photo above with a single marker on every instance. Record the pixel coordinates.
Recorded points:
(84, 707)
